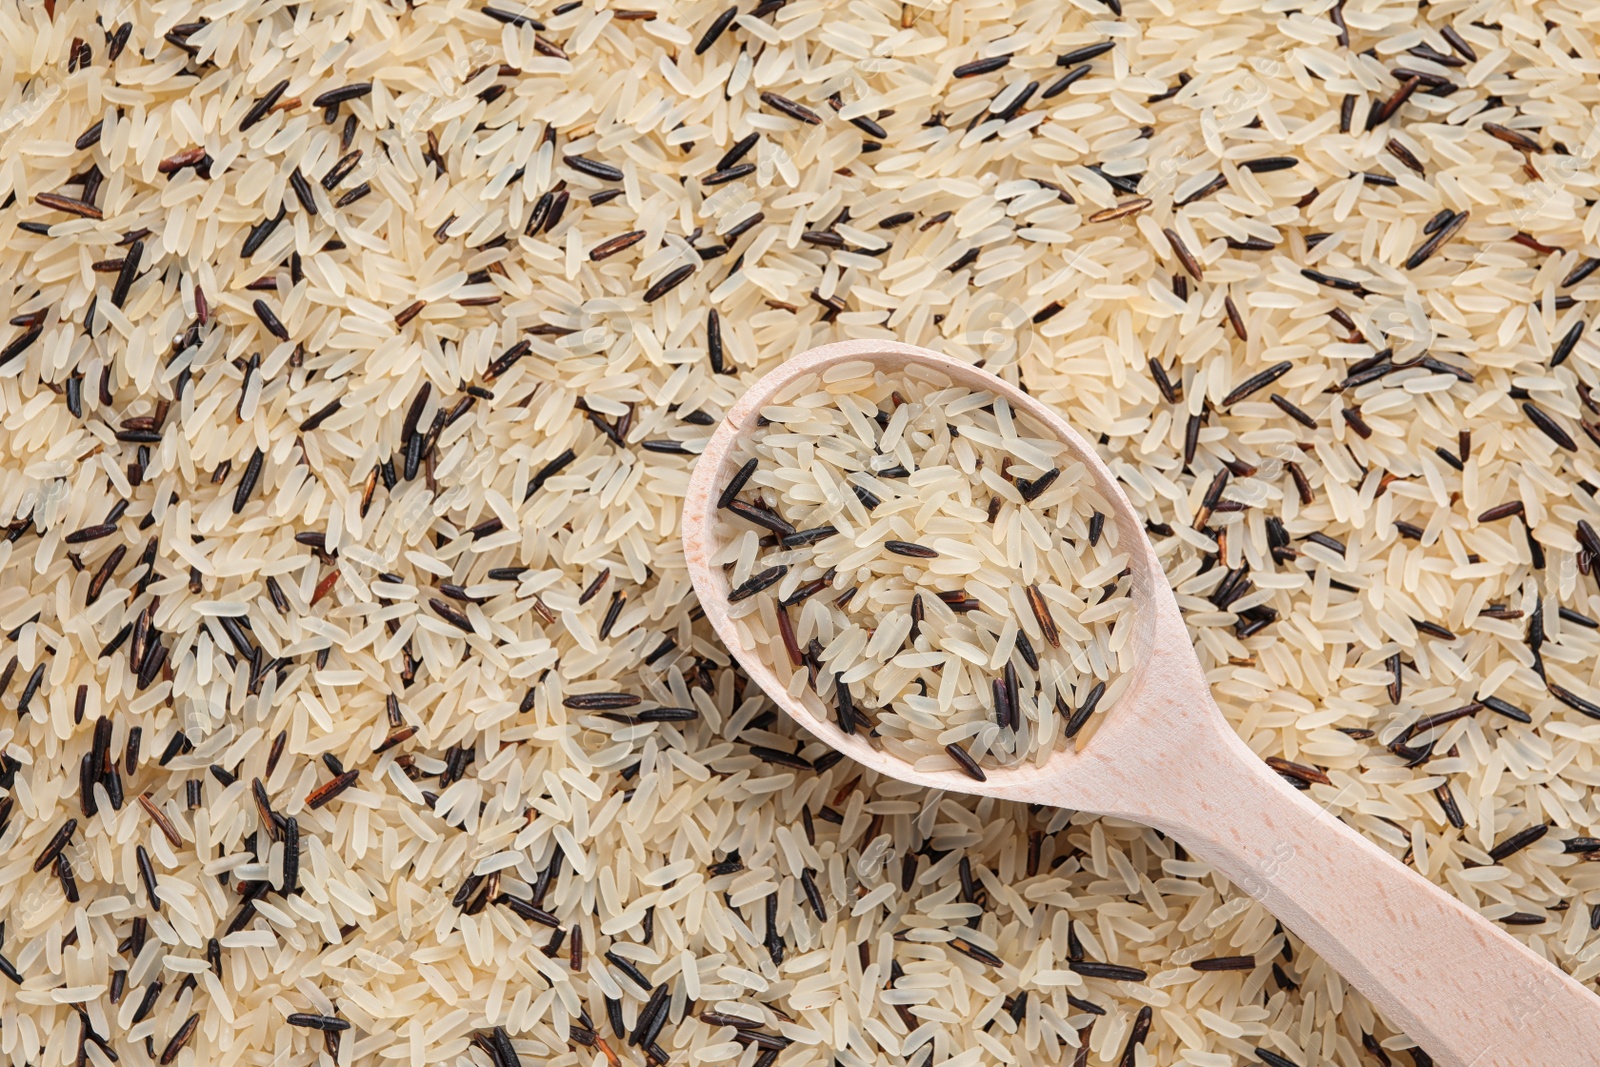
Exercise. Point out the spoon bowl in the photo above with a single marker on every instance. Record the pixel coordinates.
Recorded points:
(1164, 755)
(1066, 767)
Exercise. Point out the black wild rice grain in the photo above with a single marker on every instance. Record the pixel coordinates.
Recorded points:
(1517, 842)
(594, 587)
(1329, 280)
(965, 761)
(606, 249)
(739, 229)
(1584, 268)
(326, 792)
(1121, 211)
(736, 482)
(715, 30)
(260, 232)
(1065, 82)
(1457, 43)
(1568, 341)
(594, 168)
(728, 174)
(1041, 614)
(1386, 110)
(147, 874)
(788, 107)
(316, 1022)
(1219, 182)
(179, 1039)
(668, 715)
(1582, 620)
(1443, 217)
(1502, 511)
(1137, 1033)
(126, 274)
(907, 548)
(30, 688)
(1235, 319)
(1301, 482)
(321, 415)
(804, 538)
(738, 151)
(1164, 384)
(845, 714)
(808, 883)
(764, 580)
(872, 129)
(90, 137)
(68, 204)
(981, 66)
(302, 191)
(1269, 164)
(1080, 55)
(1352, 416)
(1023, 646)
(69, 883)
(779, 757)
(1185, 258)
(1573, 700)
(353, 195)
(1293, 412)
(56, 844)
(1548, 426)
(269, 319)
(1031, 490)
(1257, 382)
(1440, 236)
(1013, 694)
(1325, 541)
(1001, 702)
(599, 701)
(1112, 971)
(1433, 629)
(762, 517)
(982, 955)
(1404, 155)
(1272, 1059)
(511, 18)
(90, 533)
(1515, 138)
(806, 590)
(668, 282)
(450, 615)
(626, 966)
(341, 170)
(20, 344)
(548, 471)
(247, 483)
(1077, 720)
(262, 106)
(334, 97)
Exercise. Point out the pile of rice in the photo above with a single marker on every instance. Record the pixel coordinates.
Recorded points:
(357, 476)
(956, 590)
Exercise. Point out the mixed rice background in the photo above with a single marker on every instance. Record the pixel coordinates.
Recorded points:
(359, 355)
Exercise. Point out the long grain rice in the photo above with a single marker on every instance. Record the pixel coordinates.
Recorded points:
(1393, 199)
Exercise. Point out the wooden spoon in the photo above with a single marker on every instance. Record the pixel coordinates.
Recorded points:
(1466, 991)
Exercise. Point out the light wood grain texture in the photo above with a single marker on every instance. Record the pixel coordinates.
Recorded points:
(1465, 990)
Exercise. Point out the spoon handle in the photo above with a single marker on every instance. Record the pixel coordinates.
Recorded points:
(1465, 990)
